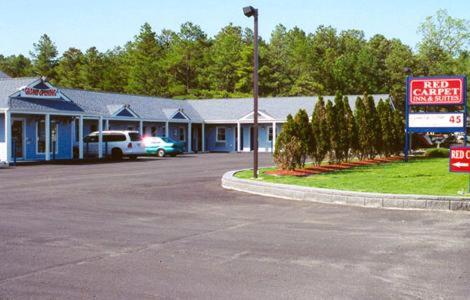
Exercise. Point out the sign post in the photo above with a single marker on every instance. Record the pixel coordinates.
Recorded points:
(443, 93)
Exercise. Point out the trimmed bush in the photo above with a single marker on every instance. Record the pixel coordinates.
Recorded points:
(437, 152)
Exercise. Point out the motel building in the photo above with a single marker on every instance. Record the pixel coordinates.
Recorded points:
(39, 121)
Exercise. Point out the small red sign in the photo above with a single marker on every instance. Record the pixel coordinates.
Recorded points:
(459, 159)
(436, 91)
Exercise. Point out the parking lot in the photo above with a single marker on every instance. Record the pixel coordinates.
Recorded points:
(164, 228)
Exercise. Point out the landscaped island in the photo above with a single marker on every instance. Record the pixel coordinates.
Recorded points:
(426, 176)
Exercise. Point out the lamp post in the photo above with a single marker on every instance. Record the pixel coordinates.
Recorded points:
(250, 11)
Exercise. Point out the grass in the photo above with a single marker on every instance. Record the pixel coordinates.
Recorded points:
(427, 176)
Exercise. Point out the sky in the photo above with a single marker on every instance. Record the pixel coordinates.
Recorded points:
(109, 23)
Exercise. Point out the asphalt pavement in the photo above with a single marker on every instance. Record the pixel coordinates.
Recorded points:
(165, 229)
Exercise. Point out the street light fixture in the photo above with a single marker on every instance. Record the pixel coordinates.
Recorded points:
(250, 11)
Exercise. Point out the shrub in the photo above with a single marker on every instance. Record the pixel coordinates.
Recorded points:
(286, 153)
(437, 152)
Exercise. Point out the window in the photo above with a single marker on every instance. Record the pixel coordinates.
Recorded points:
(91, 139)
(220, 135)
(41, 136)
(180, 134)
(135, 137)
(154, 131)
(270, 133)
(113, 137)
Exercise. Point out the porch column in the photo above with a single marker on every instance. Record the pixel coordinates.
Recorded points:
(190, 138)
(167, 129)
(203, 125)
(141, 128)
(238, 137)
(80, 137)
(106, 124)
(48, 137)
(274, 137)
(100, 138)
(8, 135)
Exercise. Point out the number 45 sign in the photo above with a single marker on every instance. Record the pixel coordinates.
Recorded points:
(449, 122)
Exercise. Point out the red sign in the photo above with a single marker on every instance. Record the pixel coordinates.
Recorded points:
(436, 91)
(459, 159)
(41, 93)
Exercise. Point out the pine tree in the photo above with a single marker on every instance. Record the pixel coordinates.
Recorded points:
(398, 132)
(362, 131)
(91, 73)
(68, 69)
(145, 74)
(45, 57)
(340, 133)
(332, 127)
(385, 115)
(375, 144)
(303, 133)
(288, 146)
(320, 132)
(352, 135)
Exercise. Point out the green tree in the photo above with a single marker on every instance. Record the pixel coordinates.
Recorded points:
(92, 71)
(45, 57)
(320, 132)
(68, 69)
(373, 126)
(398, 132)
(351, 130)
(303, 131)
(384, 111)
(146, 76)
(288, 146)
(185, 58)
(224, 59)
(16, 65)
(333, 129)
(364, 141)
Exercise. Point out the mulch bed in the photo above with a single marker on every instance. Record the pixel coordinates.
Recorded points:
(312, 170)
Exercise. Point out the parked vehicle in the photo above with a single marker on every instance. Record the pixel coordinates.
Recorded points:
(117, 144)
(162, 146)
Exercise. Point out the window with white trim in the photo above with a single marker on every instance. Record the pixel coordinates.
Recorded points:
(41, 137)
(270, 133)
(221, 136)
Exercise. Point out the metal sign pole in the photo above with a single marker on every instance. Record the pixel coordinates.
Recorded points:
(406, 120)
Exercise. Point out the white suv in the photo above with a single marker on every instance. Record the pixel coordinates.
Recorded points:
(115, 143)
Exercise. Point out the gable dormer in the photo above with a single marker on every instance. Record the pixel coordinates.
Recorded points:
(40, 89)
(122, 110)
(262, 116)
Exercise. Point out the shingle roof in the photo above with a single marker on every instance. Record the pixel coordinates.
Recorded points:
(9, 86)
(3, 75)
(146, 107)
(278, 107)
(155, 108)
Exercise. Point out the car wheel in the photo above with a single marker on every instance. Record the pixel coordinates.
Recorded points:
(161, 153)
(116, 154)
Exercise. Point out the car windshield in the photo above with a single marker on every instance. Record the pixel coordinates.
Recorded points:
(167, 140)
(135, 137)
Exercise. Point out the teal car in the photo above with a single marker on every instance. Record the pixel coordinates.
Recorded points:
(161, 146)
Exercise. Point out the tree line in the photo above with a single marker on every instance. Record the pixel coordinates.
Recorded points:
(189, 64)
(335, 132)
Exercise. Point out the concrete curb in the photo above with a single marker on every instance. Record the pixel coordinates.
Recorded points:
(301, 193)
